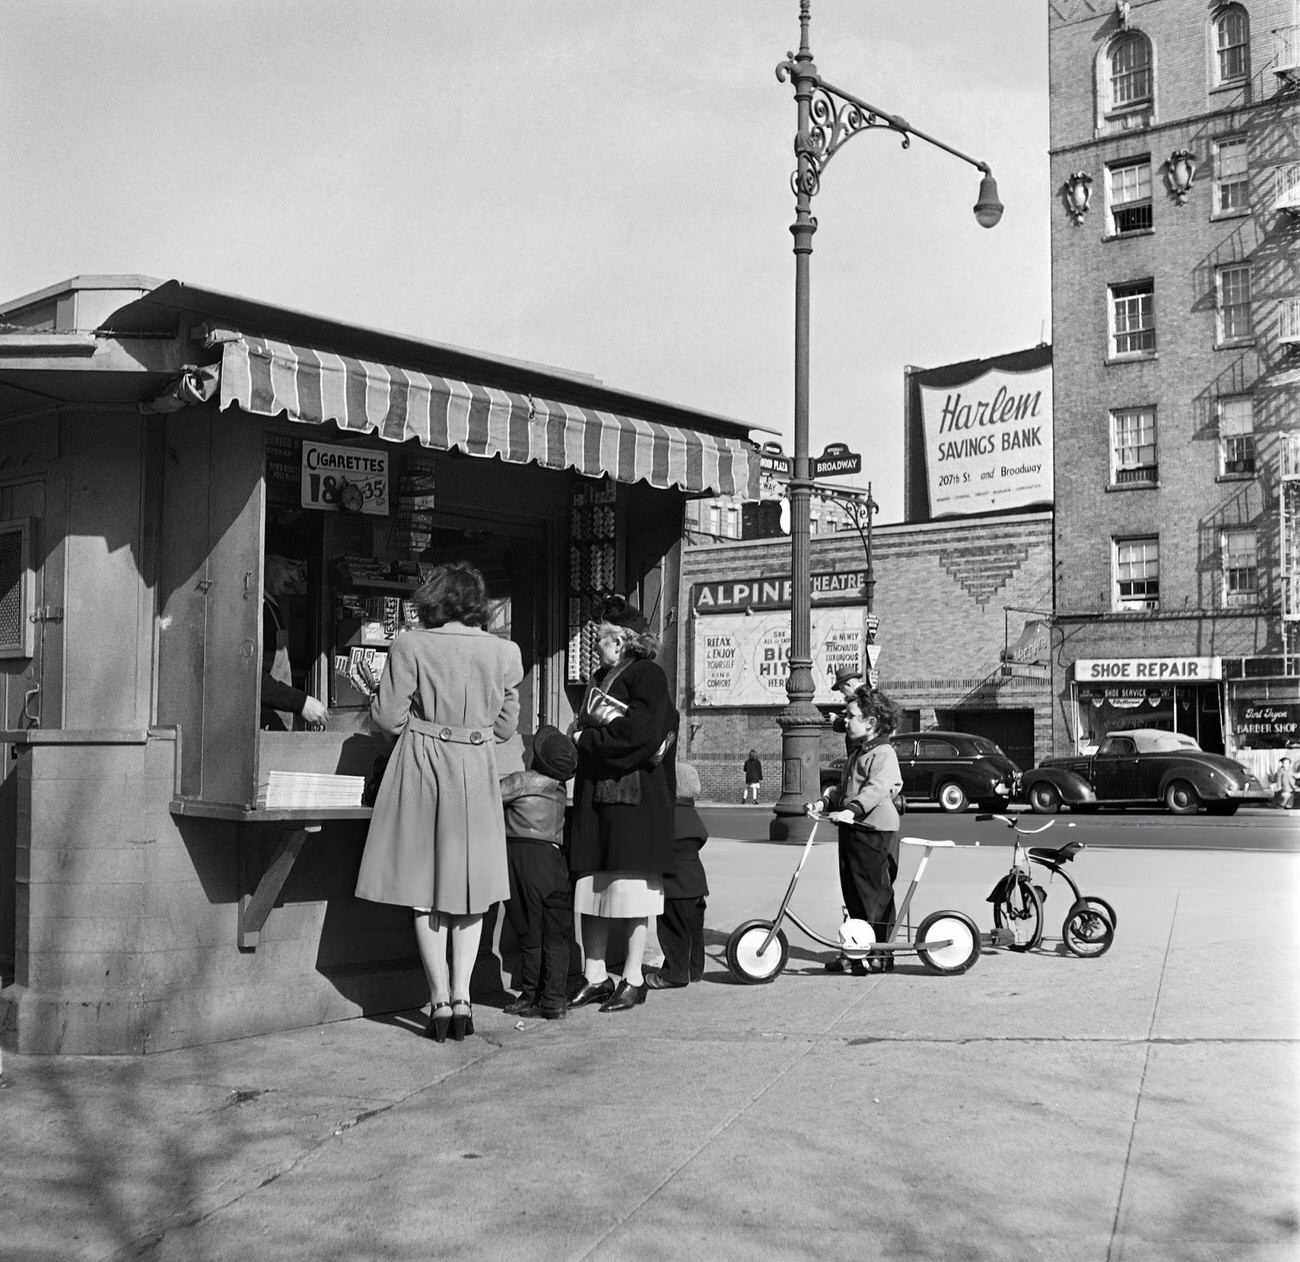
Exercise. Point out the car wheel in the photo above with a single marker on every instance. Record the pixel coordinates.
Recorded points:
(1181, 798)
(1044, 799)
(952, 797)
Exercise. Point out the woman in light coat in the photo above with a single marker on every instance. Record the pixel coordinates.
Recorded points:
(437, 843)
(869, 845)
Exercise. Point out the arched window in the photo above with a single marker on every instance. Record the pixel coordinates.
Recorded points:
(1130, 72)
(1231, 44)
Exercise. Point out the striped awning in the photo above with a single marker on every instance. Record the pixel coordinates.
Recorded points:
(312, 386)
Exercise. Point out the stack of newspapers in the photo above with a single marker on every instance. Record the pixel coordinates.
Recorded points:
(287, 790)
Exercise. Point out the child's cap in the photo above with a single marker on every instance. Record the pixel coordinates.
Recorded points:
(554, 754)
(688, 781)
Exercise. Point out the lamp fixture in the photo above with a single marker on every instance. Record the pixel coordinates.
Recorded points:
(1180, 171)
(1077, 192)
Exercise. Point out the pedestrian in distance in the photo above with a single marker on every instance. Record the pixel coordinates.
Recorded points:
(540, 910)
(753, 779)
(864, 809)
(437, 839)
(848, 679)
(1284, 784)
(681, 924)
(621, 840)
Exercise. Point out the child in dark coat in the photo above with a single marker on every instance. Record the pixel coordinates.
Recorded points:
(540, 909)
(681, 925)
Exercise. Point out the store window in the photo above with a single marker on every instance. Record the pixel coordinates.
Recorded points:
(1231, 175)
(1137, 574)
(1231, 45)
(1237, 436)
(1129, 196)
(1133, 447)
(1129, 67)
(1240, 549)
(1133, 318)
(17, 589)
(1232, 300)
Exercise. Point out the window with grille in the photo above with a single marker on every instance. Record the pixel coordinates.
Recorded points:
(1130, 196)
(1232, 44)
(1237, 435)
(1137, 574)
(1233, 293)
(1231, 175)
(1130, 72)
(1240, 566)
(1133, 317)
(1133, 446)
(17, 588)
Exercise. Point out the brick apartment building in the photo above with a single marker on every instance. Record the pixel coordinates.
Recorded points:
(1175, 159)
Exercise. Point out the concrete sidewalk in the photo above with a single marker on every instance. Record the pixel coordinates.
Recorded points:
(1139, 1106)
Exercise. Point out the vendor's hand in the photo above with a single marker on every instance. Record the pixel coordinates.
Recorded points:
(315, 714)
(842, 817)
(814, 808)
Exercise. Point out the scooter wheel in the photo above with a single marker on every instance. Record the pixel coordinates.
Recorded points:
(1087, 932)
(745, 958)
(958, 931)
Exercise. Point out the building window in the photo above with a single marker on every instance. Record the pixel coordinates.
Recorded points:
(1133, 446)
(814, 524)
(1133, 318)
(1237, 435)
(1232, 295)
(1130, 72)
(1130, 196)
(1240, 566)
(1137, 574)
(715, 520)
(1232, 44)
(733, 522)
(1231, 175)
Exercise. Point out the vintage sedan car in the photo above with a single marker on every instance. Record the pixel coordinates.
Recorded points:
(1143, 767)
(950, 768)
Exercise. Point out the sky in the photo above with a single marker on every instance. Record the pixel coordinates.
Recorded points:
(598, 185)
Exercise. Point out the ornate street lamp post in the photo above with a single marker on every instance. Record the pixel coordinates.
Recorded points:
(828, 116)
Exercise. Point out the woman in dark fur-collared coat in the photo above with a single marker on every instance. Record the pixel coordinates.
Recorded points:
(621, 845)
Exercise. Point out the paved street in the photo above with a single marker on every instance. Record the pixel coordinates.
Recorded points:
(1143, 1105)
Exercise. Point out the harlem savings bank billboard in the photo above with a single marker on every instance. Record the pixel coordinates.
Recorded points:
(979, 436)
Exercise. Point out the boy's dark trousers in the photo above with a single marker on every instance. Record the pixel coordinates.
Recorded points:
(540, 911)
(681, 937)
(868, 869)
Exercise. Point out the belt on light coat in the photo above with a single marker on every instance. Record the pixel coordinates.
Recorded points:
(445, 732)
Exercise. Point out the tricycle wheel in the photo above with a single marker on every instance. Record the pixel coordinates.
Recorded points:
(1020, 910)
(743, 957)
(1044, 799)
(958, 931)
(1103, 906)
(1087, 932)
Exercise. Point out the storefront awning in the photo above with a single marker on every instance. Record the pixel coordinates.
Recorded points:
(269, 377)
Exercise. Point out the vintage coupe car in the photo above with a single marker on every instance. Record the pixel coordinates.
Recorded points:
(951, 768)
(1143, 767)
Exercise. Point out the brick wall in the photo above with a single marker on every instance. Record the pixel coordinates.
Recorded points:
(941, 588)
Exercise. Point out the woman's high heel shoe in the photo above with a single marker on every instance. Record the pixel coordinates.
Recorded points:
(439, 1022)
(462, 1019)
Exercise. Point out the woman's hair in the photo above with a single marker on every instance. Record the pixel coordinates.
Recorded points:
(875, 705)
(642, 644)
(453, 592)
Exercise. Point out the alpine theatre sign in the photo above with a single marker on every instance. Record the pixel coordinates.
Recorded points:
(838, 587)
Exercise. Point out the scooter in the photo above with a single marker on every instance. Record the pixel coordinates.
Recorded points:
(945, 941)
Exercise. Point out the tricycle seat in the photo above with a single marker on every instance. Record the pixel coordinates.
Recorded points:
(1044, 854)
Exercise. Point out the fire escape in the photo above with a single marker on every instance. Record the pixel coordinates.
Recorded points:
(1289, 548)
